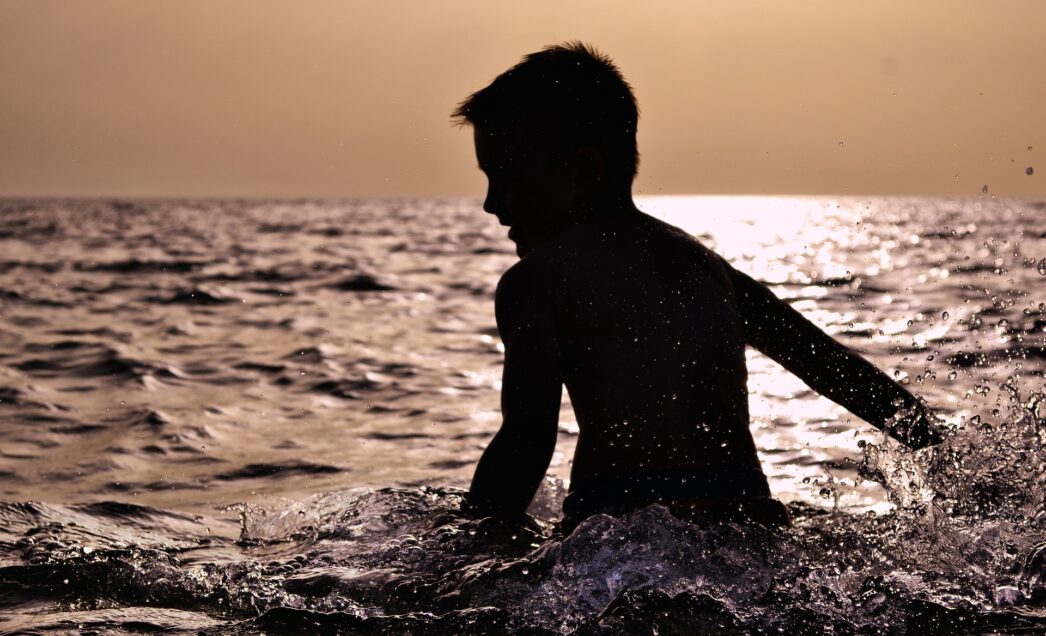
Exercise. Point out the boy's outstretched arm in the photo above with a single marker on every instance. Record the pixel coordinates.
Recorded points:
(515, 461)
(782, 333)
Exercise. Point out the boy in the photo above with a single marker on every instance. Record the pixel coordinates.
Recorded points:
(644, 325)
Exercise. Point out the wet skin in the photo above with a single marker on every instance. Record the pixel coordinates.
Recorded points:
(647, 329)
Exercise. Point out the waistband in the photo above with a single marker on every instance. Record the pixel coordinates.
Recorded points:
(620, 493)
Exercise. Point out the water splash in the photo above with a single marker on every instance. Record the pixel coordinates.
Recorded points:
(963, 552)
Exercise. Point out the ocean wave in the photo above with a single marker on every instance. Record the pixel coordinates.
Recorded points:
(285, 469)
(168, 353)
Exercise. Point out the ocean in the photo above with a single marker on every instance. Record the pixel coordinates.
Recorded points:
(247, 416)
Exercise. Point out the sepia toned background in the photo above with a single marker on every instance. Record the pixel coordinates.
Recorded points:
(258, 413)
(259, 98)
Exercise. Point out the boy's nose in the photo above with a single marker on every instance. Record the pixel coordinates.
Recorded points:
(489, 204)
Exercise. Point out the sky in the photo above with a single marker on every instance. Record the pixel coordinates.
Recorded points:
(257, 98)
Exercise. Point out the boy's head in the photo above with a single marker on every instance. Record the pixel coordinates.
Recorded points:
(558, 126)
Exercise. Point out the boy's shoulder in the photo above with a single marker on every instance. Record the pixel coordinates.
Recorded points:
(607, 261)
(596, 252)
(633, 244)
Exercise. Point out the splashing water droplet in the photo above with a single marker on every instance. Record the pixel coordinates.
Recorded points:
(1042, 267)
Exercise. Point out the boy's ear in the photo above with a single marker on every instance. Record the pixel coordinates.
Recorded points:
(588, 167)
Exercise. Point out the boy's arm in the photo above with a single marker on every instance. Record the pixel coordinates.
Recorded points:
(512, 466)
(782, 333)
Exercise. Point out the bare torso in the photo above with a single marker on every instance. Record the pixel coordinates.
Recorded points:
(652, 354)
(647, 329)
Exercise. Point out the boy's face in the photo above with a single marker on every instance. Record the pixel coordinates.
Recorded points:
(527, 189)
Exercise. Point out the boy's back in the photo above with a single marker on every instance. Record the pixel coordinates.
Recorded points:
(652, 353)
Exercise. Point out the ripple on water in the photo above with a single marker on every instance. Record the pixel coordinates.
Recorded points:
(962, 554)
(144, 302)
(393, 560)
(285, 469)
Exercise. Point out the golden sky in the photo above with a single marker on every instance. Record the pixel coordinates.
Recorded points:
(264, 98)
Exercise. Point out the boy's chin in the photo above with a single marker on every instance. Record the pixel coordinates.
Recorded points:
(522, 246)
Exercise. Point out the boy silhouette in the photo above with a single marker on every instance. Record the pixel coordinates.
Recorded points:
(644, 325)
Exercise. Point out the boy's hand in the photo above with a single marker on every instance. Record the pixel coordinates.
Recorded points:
(472, 507)
(916, 427)
(493, 522)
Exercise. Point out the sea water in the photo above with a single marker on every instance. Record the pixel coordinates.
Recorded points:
(242, 416)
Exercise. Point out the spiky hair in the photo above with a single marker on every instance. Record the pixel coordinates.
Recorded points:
(570, 93)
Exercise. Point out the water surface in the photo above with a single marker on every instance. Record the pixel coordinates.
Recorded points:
(260, 415)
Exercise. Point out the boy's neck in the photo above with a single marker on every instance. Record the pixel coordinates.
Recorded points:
(609, 205)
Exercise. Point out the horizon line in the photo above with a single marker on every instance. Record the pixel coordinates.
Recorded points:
(401, 197)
